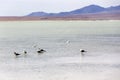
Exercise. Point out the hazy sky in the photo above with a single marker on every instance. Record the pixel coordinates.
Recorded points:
(24, 7)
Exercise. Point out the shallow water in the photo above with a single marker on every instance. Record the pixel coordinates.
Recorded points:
(62, 59)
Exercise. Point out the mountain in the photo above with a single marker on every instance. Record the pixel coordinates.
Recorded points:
(38, 14)
(91, 12)
(88, 9)
(113, 8)
(84, 10)
(91, 9)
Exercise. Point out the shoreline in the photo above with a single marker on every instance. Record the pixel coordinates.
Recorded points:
(80, 18)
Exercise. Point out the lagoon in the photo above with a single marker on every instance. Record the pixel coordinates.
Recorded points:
(62, 41)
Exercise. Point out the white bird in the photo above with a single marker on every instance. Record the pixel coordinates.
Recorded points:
(35, 46)
(67, 41)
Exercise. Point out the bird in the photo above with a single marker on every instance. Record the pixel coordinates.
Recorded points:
(35, 46)
(82, 50)
(25, 52)
(16, 54)
(67, 41)
(41, 50)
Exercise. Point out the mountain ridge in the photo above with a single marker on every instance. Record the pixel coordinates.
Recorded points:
(91, 9)
(91, 12)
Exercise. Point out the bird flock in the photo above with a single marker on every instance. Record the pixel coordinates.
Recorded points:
(40, 51)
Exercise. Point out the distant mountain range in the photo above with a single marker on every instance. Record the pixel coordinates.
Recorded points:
(91, 12)
(88, 10)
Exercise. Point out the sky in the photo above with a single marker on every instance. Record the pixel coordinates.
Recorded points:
(25, 7)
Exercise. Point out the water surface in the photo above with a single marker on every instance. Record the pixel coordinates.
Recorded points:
(62, 41)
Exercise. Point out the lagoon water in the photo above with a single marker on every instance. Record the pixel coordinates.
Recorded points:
(62, 41)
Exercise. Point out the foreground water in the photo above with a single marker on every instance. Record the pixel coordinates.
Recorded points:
(62, 41)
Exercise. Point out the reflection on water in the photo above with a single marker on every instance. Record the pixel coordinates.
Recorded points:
(62, 59)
